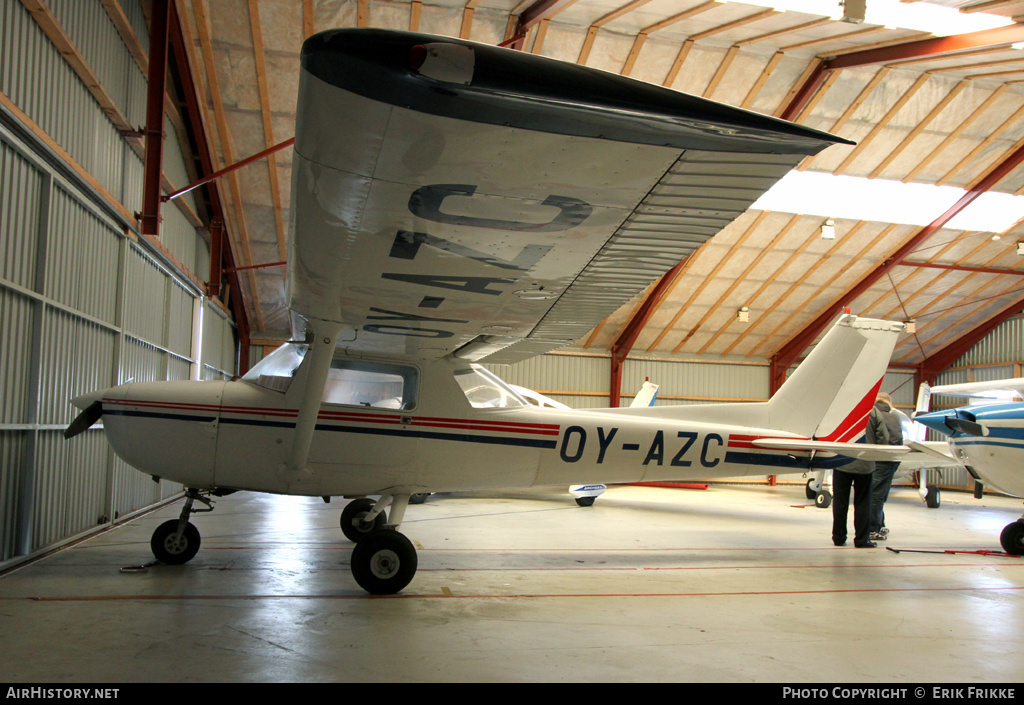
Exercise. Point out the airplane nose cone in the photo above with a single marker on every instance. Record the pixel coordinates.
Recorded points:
(84, 401)
(936, 421)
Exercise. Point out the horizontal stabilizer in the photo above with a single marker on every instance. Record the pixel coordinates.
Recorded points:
(862, 451)
(913, 454)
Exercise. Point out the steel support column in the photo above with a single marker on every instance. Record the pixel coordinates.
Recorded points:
(624, 343)
(221, 257)
(150, 217)
(788, 353)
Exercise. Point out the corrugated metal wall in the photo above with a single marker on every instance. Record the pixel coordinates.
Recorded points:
(83, 305)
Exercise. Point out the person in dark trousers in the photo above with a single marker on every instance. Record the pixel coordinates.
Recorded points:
(881, 478)
(856, 476)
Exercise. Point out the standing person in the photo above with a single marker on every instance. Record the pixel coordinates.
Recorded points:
(856, 475)
(881, 478)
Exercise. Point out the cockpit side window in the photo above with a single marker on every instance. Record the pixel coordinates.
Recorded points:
(374, 384)
(277, 369)
(486, 391)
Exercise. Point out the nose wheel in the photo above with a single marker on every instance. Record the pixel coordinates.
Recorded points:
(175, 547)
(176, 541)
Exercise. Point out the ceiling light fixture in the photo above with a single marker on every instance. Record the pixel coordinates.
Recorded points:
(828, 230)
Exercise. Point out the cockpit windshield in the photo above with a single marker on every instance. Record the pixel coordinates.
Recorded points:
(276, 370)
(486, 391)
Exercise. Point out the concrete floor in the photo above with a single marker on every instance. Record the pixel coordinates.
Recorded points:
(730, 584)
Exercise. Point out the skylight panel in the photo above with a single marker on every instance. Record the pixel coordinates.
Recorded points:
(880, 200)
(920, 16)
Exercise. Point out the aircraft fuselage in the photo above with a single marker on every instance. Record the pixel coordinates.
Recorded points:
(237, 435)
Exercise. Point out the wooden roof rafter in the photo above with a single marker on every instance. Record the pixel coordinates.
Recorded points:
(595, 27)
(857, 259)
(796, 284)
(919, 128)
(710, 276)
(961, 126)
(1008, 124)
(782, 32)
(240, 230)
(719, 301)
(883, 123)
(785, 355)
(971, 312)
(268, 128)
(723, 299)
(642, 35)
(934, 281)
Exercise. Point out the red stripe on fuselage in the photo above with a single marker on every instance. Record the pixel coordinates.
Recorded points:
(329, 415)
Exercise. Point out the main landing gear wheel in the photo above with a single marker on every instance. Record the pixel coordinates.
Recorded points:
(823, 500)
(1012, 538)
(383, 562)
(933, 497)
(585, 501)
(171, 548)
(354, 526)
(811, 488)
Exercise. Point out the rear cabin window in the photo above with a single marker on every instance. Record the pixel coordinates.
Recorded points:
(485, 391)
(374, 384)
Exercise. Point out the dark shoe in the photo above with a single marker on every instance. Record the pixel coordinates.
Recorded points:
(837, 542)
(867, 544)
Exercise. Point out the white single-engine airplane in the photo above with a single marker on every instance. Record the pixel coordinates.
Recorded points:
(454, 203)
(988, 440)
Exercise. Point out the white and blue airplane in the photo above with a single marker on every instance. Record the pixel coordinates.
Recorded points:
(986, 438)
(456, 203)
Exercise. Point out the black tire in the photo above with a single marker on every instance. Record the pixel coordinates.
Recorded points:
(811, 494)
(172, 552)
(933, 498)
(1012, 538)
(823, 500)
(585, 501)
(419, 498)
(384, 562)
(354, 526)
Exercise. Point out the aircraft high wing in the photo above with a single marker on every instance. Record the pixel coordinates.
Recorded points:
(988, 440)
(453, 203)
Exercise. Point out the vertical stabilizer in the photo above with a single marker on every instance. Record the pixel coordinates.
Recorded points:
(831, 393)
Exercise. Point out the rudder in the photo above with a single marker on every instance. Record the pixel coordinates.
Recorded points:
(831, 393)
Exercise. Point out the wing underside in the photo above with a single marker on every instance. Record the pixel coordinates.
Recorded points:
(455, 198)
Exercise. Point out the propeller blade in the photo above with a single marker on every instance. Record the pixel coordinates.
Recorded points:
(971, 428)
(84, 420)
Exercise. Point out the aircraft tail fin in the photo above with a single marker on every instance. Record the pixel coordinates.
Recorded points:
(831, 393)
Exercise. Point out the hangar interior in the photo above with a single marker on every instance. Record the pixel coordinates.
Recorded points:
(109, 274)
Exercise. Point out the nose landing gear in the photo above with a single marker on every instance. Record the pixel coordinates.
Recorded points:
(177, 541)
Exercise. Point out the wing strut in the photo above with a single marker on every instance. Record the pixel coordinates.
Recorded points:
(325, 337)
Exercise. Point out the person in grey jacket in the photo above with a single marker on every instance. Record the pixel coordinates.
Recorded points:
(856, 475)
(891, 433)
